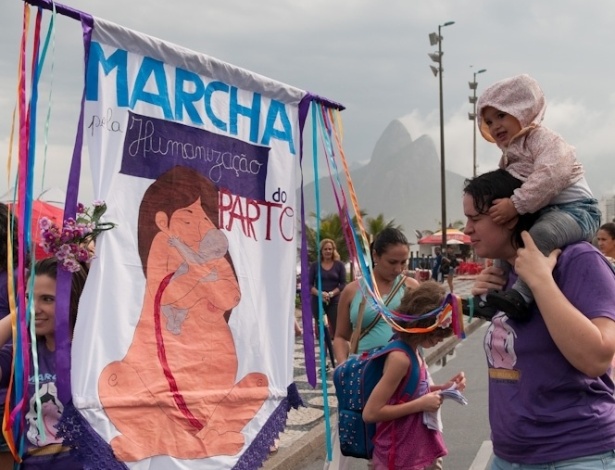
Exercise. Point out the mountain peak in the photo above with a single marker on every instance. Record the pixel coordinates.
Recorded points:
(395, 137)
(401, 181)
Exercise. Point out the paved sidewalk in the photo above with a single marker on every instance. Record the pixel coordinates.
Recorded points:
(304, 437)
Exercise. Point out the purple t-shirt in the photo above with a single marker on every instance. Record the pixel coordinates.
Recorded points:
(330, 278)
(51, 411)
(541, 408)
(4, 311)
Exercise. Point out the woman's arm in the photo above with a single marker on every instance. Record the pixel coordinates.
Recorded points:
(588, 344)
(312, 278)
(343, 327)
(6, 333)
(6, 330)
(377, 408)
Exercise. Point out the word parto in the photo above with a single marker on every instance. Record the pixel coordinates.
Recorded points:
(252, 213)
(190, 96)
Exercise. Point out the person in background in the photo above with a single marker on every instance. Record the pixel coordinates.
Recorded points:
(551, 402)
(435, 270)
(43, 451)
(606, 241)
(510, 114)
(333, 281)
(390, 252)
(448, 266)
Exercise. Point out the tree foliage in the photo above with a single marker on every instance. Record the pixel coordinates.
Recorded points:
(331, 227)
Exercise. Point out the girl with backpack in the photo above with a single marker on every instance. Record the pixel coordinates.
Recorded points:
(402, 440)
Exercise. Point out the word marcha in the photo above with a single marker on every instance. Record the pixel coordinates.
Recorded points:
(191, 95)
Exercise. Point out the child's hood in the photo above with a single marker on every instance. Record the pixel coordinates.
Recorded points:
(519, 96)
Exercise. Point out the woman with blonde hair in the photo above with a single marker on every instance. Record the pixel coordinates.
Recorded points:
(332, 282)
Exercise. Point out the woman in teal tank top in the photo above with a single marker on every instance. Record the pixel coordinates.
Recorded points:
(381, 333)
(390, 254)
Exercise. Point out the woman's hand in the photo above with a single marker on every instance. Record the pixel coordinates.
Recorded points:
(489, 278)
(531, 265)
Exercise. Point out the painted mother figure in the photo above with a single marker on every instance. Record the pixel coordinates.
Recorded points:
(176, 392)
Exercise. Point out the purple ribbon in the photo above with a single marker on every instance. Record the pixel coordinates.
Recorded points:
(63, 334)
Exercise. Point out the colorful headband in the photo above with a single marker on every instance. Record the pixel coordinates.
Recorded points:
(445, 316)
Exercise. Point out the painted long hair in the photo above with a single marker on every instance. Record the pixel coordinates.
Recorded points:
(175, 189)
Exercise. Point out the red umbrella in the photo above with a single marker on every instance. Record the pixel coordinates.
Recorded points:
(453, 237)
(43, 209)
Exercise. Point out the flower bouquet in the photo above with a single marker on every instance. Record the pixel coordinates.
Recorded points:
(69, 244)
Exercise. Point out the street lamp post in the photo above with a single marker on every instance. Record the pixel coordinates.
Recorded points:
(472, 117)
(437, 57)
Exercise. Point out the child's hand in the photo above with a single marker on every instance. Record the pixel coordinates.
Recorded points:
(503, 211)
(459, 381)
(431, 401)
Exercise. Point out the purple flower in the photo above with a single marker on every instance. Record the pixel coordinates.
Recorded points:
(71, 265)
(83, 255)
(44, 223)
(67, 243)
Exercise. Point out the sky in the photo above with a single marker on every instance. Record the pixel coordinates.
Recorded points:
(371, 56)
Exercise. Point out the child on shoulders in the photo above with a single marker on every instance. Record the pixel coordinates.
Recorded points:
(509, 114)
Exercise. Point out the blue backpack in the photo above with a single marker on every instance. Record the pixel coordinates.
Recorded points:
(354, 381)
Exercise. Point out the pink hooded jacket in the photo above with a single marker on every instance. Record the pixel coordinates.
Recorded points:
(536, 155)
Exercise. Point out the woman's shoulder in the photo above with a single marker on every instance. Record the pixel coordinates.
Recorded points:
(579, 248)
(579, 256)
(352, 286)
